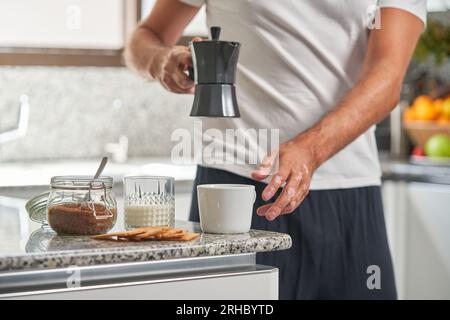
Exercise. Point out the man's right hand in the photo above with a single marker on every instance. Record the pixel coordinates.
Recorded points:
(170, 67)
(152, 49)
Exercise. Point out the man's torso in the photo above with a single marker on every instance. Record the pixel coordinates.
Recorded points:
(297, 60)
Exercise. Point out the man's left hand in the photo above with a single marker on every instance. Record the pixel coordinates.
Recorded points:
(296, 166)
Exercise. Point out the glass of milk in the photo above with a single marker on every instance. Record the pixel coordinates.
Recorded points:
(149, 201)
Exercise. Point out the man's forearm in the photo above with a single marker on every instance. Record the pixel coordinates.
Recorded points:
(377, 92)
(371, 100)
(155, 36)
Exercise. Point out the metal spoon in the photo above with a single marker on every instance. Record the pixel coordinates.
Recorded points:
(102, 165)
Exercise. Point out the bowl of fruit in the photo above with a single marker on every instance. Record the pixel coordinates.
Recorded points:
(427, 124)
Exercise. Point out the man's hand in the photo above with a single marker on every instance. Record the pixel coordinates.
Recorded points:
(152, 49)
(296, 166)
(170, 66)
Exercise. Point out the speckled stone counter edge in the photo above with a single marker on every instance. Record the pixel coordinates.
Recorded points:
(266, 241)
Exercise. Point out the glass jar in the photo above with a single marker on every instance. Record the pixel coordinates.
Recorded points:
(76, 205)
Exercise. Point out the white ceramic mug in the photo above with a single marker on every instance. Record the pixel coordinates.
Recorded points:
(226, 208)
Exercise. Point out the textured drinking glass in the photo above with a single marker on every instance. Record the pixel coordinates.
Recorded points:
(149, 201)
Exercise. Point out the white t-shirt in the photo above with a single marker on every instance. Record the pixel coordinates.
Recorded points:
(297, 60)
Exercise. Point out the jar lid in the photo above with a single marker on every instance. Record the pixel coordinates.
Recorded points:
(81, 182)
(37, 208)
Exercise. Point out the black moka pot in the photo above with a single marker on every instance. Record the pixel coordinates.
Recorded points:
(214, 70)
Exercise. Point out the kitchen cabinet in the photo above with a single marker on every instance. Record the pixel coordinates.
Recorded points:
(230, 277)
(82, 24)
(65, 32)
(236, 287)
(74, 32)
(418, 224)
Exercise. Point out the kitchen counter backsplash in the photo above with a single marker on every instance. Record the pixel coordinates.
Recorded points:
(75, 111)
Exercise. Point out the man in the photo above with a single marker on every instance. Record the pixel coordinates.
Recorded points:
(324, 74)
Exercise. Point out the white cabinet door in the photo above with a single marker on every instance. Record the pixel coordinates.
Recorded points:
(82, 24)
(418, 225)
(428, 238)
(251, 286)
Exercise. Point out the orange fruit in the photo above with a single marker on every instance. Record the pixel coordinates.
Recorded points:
(445, 111)
(409, 114)
(438, 105)
(425, 113)
(424, 108)
(423, 100)
(442, 120)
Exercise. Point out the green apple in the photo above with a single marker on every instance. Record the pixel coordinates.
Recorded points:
(438, 146)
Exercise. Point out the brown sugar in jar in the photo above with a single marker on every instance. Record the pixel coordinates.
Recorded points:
(81, 218)
(80, 205)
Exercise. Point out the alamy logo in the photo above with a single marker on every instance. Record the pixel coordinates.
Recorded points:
(374, 280)
(225, 147)
(373, 17)
(74, 279)
(73, 17)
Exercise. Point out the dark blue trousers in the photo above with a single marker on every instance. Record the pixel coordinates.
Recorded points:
(340, 248)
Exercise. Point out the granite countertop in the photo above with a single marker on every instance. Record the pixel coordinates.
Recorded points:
(43, 249)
